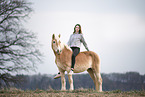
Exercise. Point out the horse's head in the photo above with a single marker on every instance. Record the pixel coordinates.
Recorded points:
(56, 44)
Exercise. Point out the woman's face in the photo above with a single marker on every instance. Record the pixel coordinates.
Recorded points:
(77, 28)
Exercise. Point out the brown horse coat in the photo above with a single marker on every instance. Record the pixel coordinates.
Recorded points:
(87, 60)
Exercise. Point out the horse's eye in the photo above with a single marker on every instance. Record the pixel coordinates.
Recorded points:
(53, 41)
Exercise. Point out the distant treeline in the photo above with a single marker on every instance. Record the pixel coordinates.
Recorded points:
(113, 81)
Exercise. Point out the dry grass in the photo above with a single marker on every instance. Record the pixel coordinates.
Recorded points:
(13, 92)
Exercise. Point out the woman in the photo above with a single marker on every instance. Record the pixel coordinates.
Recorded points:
(75, 43)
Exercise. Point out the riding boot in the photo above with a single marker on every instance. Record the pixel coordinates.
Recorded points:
(57, 76)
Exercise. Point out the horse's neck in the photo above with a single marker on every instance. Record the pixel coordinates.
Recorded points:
(66, 51)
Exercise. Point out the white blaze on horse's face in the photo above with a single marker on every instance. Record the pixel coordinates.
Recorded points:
(56, 44)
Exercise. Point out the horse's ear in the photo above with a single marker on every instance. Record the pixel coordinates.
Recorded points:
(59, 35)
(53, 36)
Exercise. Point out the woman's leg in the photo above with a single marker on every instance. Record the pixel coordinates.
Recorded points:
(76, 51)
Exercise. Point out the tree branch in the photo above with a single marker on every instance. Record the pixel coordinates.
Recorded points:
(17, 46)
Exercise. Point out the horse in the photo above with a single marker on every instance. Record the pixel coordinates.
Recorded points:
(85, 61)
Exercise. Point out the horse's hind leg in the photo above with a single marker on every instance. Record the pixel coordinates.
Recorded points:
(92, 75)
(99, 80)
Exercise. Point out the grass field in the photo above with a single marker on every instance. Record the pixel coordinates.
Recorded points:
(13, 92)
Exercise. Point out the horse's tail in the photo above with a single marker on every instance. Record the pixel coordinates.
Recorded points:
(95, 70)
(95, 60)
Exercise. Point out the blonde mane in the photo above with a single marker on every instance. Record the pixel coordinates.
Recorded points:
(67, 47)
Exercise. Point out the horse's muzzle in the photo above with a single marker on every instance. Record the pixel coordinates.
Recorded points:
(59, 52)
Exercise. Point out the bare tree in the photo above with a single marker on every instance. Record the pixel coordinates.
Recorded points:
(18, 47)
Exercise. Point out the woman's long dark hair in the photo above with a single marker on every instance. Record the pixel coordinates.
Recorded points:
(80, 30)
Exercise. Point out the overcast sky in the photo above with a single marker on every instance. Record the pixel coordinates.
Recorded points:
(114, 29)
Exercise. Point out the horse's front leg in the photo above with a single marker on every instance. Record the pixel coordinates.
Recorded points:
(63, 82)
(70, 81)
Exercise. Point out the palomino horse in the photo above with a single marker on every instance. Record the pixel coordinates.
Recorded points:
(87, 60)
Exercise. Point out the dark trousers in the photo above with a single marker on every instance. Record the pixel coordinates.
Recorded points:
(76, 51)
